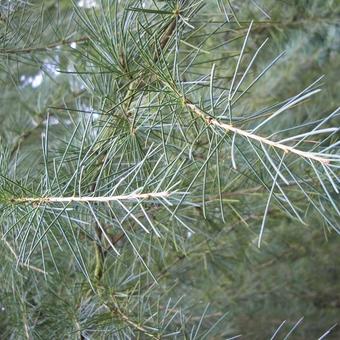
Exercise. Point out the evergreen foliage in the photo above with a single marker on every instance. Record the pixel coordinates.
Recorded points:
(169, 169)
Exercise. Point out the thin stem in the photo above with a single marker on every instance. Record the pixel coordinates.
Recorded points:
(133, 324)
(166, 37)
(228, 127)
(21, 263)
(98, 270)
(88, 199)
(136, 84)
(42, 48)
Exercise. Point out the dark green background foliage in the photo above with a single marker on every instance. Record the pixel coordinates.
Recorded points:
(94, 102)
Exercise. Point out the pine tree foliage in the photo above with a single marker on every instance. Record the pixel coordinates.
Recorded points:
(169, 169)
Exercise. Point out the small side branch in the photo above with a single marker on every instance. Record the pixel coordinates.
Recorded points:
(42, 48)
(227, 127)
(89, 199)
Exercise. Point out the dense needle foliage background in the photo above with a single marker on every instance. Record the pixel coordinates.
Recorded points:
(65, 68)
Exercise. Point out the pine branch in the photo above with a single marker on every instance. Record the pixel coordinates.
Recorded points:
(132, 185)
(327, 159)
(128, 99)
(88, 199)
